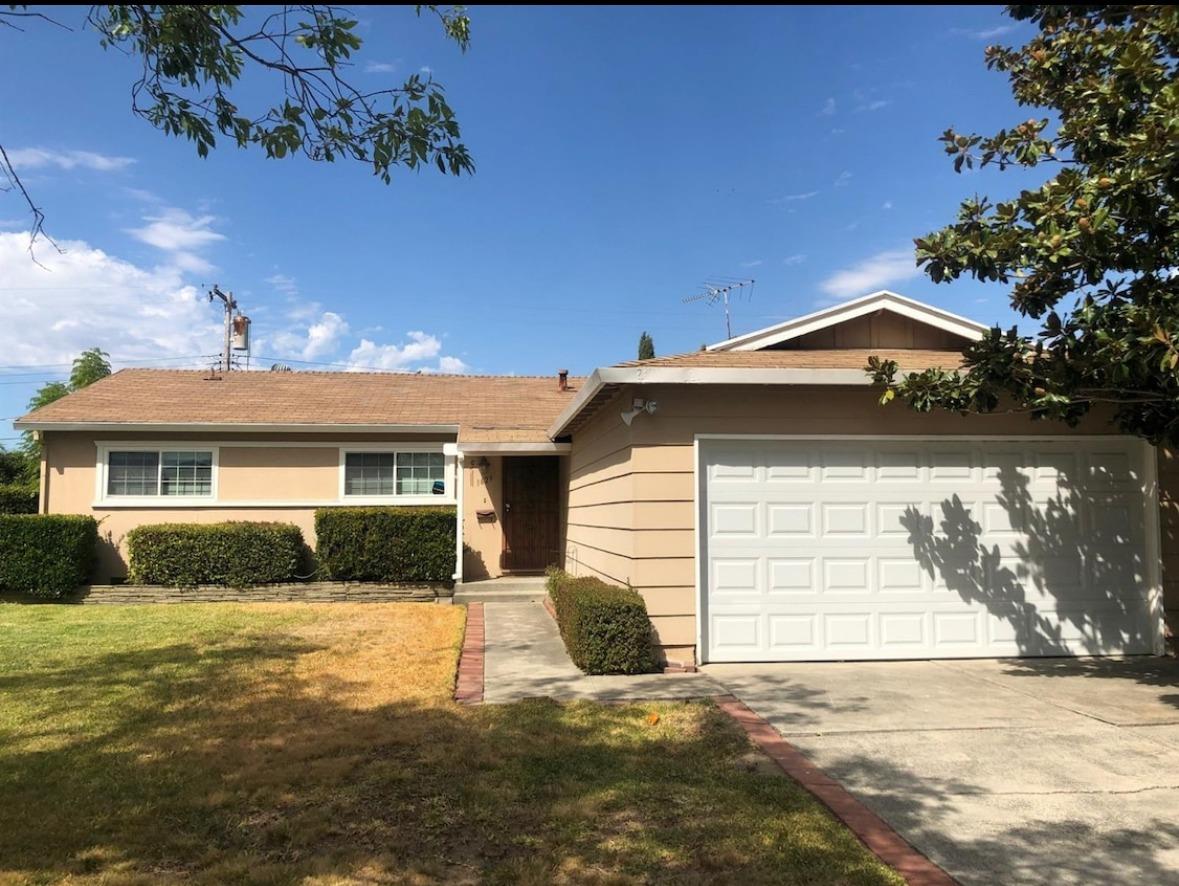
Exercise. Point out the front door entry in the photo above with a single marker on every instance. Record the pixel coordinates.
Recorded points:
(531, 518)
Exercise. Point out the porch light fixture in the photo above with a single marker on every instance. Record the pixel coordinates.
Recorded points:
(639, 405)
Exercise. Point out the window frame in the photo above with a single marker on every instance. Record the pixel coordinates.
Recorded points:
(448, 475)
(102, 475)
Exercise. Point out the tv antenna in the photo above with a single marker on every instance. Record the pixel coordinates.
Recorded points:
(719, 292)
(237, 328)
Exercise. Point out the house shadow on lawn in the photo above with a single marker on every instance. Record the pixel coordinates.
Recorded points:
(263, 759)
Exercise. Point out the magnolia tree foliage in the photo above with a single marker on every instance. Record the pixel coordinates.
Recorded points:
(194, 60)
(1093, 253)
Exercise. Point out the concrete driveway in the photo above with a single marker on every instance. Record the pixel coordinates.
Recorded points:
(1002, 772)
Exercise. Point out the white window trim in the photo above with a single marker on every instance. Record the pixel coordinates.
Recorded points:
(105, 502)
(102, 470)
(449, 451)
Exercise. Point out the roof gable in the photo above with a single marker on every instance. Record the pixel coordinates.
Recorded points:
(918, 312)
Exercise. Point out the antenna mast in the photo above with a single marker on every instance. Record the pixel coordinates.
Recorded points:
(719, 292)
(237, 328)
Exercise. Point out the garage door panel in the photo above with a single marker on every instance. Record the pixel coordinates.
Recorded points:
(844, 519)
(790, 575)
(734, 519)
(841, 465)
(791, 520)
(899, 549)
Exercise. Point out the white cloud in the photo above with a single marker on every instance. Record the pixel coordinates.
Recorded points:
(40, 158)
(752, 264)
(417, 352)
(85, 297)
(451, 365)
(426, 69)
(886, 205)
(380, 67)
(284, 284)
(793, 198)
(324, 337)
(796, 259)
(843, 180)
(828, 108)
(182, 236)
(874, 105)
(983, 33)
(875, 272)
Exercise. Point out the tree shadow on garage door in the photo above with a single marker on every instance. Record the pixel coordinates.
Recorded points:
(1061, 573)
(979, 834)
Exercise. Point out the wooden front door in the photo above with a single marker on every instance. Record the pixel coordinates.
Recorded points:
(531, 519)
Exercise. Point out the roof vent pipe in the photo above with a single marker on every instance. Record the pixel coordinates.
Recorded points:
(562, 379)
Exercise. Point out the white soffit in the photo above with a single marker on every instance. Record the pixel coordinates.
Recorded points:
(841, 313)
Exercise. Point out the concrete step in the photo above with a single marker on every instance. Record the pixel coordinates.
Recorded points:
(527, 589)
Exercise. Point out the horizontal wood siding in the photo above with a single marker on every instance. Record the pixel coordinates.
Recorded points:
(632, 489)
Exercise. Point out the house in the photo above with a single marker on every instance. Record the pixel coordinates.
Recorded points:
(755, 492)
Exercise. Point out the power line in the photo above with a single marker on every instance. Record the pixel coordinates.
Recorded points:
(69, 364)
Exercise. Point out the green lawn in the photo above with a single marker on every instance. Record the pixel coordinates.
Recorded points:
(318, 744)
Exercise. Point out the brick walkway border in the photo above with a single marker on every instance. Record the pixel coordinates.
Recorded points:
(468, 687)
(885, 843)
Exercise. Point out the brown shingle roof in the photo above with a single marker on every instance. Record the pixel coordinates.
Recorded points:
(485, 408)
(803, 359)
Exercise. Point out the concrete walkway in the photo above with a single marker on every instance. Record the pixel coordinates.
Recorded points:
(525, 658)
(1018, 771)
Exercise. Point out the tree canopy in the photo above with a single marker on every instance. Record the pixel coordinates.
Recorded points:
(646, 346)
(195, 56)
(90, 366)
(1092, 254)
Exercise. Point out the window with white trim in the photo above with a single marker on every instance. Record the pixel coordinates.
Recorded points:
(372, 474)
(186, 473)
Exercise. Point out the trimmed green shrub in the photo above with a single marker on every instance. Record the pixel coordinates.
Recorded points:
(391, 544)
(46, 555)
(232, 554)
(18, 498)
(605, 627)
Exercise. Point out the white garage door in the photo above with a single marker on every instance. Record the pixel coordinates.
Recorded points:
(865, 549)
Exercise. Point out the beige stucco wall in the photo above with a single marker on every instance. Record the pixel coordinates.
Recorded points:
(631, 489)
(482, 537)
(308, 475)
(278, 474)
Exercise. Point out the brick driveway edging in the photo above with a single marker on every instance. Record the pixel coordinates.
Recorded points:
(468, 686)
(873, 831)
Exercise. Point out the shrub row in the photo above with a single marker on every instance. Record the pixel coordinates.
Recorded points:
(46, 555)
(50, 555)
(386, 544)
(18, 498)
(232, 554)
(605, 627)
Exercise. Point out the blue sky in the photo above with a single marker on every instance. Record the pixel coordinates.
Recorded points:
(625, 157)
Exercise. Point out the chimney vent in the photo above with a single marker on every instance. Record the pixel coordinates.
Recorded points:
(562, 379)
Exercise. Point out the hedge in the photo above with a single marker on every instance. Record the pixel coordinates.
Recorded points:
(231, 554)
(391, 544)
(605, 627)
(46, 555)
(18, 498)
